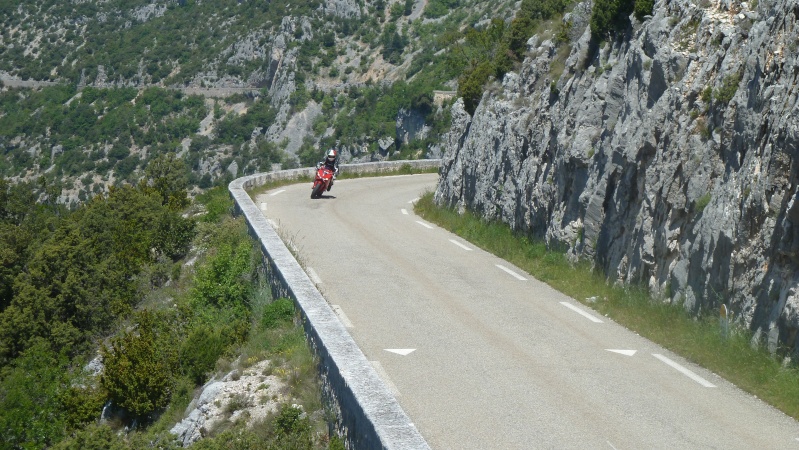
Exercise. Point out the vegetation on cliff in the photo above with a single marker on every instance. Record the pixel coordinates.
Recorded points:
(178, 297)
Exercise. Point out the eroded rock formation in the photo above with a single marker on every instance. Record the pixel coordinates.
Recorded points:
(667, 156)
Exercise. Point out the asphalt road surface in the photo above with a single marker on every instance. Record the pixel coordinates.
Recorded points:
(482, 356)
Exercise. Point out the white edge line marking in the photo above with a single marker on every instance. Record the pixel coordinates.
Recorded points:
(314, 276)
(581, 312)
(384, 376)
(460, 245)
(404, 211)
(514, 274)
(424, 224)
(263, 206)
(277, 192)
(684, 371)
(273, 224)
(414, 200)
(401, 351)
(342, 317)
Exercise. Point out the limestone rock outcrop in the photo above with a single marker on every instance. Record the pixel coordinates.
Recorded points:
(669, 156)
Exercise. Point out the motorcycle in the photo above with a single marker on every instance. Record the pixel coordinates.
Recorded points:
(321, 183)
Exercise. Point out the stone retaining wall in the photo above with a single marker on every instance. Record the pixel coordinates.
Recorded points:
(368, 414)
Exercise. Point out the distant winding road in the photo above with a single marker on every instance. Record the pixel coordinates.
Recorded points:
(483, 356)
(205, 92)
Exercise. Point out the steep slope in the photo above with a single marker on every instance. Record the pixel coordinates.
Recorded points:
(91, 90)
(668, 155)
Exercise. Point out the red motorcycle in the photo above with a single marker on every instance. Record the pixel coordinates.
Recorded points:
(324, 177)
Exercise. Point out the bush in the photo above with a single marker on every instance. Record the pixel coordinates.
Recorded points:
(438, 8)
(643, 8)
(702, 202)
(139, 368)
(278, 312)
(83, 405)
(173, 234)
(200, 351)
(225, 280)
(470, 85)
(728, 89)
(291, 421)
(608, 16)
(30, 414)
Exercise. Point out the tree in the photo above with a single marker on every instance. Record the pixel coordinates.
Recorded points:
(139, 368)
(470, 85)
(82, 277)
(224, 282)
(168, 176)
(643, 8)
(30, 413)
(608, 16)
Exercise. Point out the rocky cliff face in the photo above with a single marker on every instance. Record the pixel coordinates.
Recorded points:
(669, 156)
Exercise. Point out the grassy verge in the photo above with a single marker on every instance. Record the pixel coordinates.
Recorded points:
(700, 340)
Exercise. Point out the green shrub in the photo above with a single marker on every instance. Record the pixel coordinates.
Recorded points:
(173, 234)
(97, 436)
(224, 281)
(82, 404)
(200, 351)
(139, 368)
(470, 85)
(643, 8)
(608, 16)
(706, 95)
(291, 421)
(30, 414)
(702, 202)
(438, 8)
(728, 89)
(278, 312)
(217, 203)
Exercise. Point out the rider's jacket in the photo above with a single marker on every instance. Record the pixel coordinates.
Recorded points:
(332, 165)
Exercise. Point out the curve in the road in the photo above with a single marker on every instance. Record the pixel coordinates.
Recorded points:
(501, 360)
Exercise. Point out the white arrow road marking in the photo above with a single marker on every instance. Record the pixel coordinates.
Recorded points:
(424, 224)
(401, 351)
(514, 274)
(622, 352)
(273, 224)
(277, 192)
(460, 245)
(314, 276)
(404, 211)
(263, 206)
(581, 312)
(414, 200)
(342, 317)
(684, 371)
(384, 376)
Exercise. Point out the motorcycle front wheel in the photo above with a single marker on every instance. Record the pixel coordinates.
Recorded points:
(317, 190)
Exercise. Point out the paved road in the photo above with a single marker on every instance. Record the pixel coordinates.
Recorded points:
(220, 92)
(500, 360)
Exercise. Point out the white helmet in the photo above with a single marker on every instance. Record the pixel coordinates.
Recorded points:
(331, 155)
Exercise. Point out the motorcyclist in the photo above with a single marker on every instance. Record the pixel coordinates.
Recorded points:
(331, 162)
